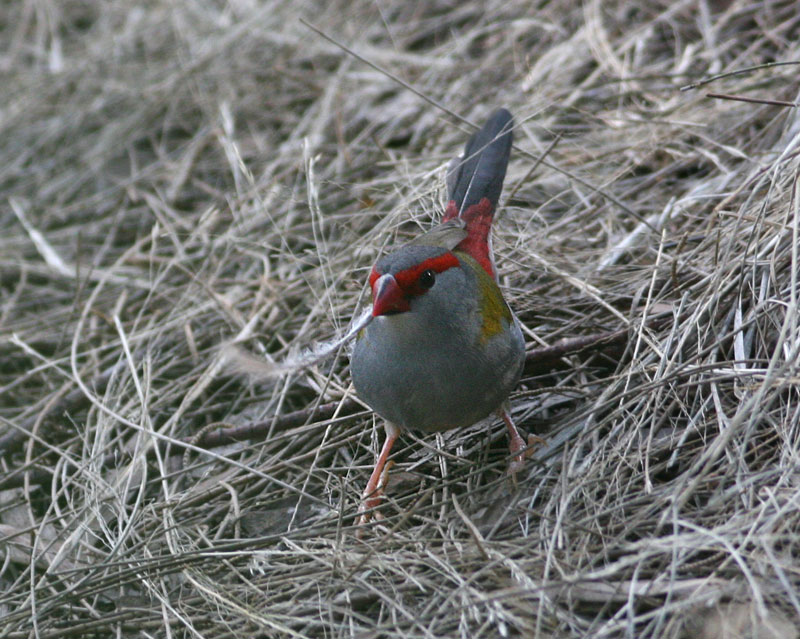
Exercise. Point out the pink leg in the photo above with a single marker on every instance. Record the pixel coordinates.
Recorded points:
(378, 479)
(516, 445)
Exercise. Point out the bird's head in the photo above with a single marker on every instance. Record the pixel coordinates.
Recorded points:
(400, 278)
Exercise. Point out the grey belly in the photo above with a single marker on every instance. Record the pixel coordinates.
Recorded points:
(435, 386)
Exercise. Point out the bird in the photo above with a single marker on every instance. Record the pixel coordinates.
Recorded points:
(443, 350)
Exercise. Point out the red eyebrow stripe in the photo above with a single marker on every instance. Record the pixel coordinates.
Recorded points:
(373, 276)
(408, 277)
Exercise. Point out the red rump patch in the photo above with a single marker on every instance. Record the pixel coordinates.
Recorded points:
(478, 218)
(451, 211)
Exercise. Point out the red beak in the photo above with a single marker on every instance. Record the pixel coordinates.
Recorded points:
(387, 297)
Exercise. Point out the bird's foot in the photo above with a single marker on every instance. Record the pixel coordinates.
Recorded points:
(378, 480)
(373, 496)
(520, 449)
(523, 452)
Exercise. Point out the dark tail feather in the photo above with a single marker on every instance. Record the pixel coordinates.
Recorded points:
(480, 172)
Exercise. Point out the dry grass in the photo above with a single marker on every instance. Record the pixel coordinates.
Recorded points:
(176, 176)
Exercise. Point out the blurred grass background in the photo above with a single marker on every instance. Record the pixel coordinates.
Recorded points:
(177, 175)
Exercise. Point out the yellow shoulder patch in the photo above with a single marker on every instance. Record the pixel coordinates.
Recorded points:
(492, 306)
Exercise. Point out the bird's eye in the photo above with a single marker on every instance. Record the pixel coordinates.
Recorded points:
(427, 278)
